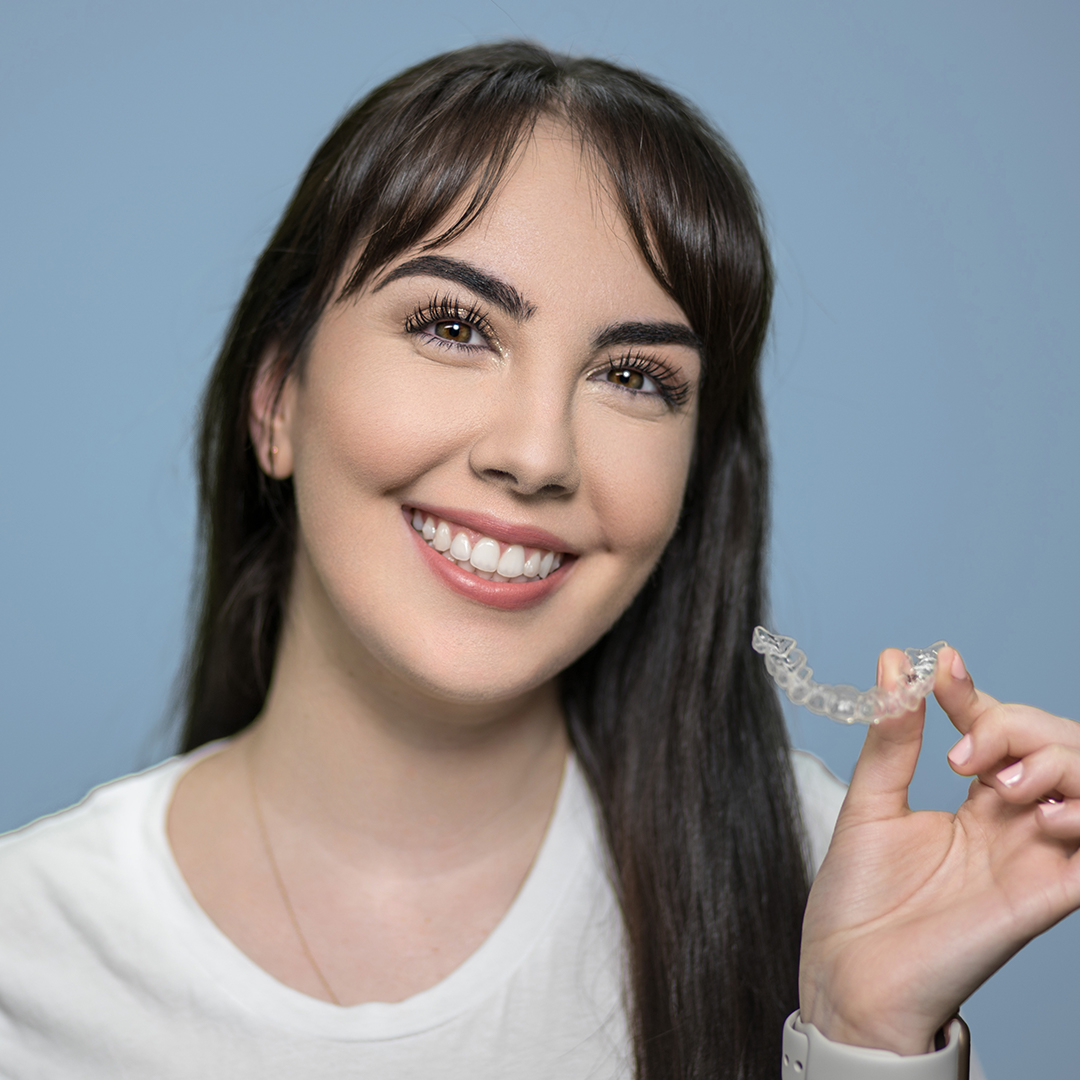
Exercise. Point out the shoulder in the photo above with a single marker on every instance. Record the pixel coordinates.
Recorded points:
(71, 857)
(821, 795)
(79, 908)
(87, 929)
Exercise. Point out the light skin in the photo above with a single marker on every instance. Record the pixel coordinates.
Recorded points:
(912, 911)
(411, 748)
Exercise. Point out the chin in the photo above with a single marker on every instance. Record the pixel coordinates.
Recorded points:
(474, 676)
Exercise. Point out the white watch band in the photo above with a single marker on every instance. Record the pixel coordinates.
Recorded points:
(808, 1055)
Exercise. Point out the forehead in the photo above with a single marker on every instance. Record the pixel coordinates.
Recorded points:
(555, 230)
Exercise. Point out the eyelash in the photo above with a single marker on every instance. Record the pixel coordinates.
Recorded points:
(445, 309)
(673, 391)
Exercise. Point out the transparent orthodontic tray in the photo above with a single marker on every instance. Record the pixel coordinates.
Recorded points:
(845, 704)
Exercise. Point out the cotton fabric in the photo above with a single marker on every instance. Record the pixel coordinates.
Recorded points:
(109, 969)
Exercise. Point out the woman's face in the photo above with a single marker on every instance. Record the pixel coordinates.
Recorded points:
(527, 392)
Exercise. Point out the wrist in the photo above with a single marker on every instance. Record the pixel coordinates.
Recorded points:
(879, 1026)
(883, 1033)
(810, 1055)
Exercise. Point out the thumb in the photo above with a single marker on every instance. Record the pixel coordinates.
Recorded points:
(879, 785)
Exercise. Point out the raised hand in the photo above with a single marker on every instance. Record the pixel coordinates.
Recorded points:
(912, 910)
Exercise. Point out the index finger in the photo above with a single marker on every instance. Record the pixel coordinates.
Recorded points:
(955, 691)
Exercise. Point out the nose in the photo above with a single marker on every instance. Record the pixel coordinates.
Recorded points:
(527, 443)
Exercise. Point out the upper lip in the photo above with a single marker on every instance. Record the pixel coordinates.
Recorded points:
(489, 525)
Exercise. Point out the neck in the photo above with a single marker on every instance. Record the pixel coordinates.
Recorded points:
(388, 775)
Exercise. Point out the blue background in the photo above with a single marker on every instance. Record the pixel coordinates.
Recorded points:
(919, 165)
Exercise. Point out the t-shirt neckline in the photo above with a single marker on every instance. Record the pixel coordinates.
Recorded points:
(568, 845)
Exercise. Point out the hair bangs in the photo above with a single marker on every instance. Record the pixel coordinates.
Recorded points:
(671, 715)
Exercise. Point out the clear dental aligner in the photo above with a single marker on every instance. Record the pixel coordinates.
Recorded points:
(845, 704)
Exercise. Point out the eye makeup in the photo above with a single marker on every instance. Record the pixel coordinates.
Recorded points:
(446, 309)
(621, 371)
(674, 391)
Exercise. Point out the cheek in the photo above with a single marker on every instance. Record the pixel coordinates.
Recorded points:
(382, 430)
(637, 475)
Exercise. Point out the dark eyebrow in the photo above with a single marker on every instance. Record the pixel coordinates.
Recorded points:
(492, 289)
(647, 333)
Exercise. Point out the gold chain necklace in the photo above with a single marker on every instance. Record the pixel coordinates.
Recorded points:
(283, 892)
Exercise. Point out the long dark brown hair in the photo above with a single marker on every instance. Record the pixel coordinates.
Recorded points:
(672, 718)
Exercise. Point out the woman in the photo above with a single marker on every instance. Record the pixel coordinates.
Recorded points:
(475, 736)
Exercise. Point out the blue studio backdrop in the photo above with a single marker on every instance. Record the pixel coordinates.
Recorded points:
(918, 164)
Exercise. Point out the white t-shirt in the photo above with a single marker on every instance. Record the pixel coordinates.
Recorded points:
(110, 969)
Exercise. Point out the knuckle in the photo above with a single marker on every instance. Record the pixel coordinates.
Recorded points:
(989, 732)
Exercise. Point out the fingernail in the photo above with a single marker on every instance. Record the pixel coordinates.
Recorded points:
(959, 672)
(960, 754)
(1052, 807)
(1010, 777)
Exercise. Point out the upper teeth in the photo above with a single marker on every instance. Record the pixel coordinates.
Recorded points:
(487, 558)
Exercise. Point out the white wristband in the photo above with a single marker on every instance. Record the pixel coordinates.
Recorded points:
(808, 1055)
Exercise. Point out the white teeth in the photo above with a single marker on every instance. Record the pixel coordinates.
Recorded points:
(513, 562)
(485, 556)
(461, 549)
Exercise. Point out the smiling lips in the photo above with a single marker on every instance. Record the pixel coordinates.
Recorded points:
(487, 558)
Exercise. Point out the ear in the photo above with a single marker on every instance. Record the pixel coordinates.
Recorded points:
(270, 416)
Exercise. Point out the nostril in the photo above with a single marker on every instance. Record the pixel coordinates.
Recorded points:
(500, 474)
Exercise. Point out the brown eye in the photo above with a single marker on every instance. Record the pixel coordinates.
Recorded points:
(632, 380)
(459, 332)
